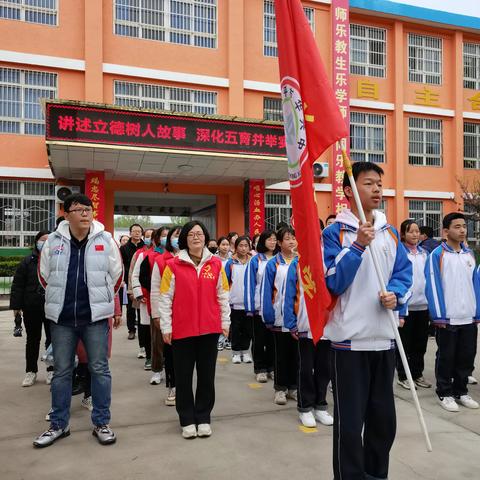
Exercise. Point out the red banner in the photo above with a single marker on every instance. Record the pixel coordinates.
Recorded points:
(95, 190)
(341, 70)
(256, 206)
(312, 123)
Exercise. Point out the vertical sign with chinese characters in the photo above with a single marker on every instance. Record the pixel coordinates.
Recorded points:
(95, 190)
(256, 206)
(341, 70)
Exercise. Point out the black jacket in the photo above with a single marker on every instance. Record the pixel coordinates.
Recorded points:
(26, 292)
(128, 251)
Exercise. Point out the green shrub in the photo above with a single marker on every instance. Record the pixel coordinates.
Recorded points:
(8, 265)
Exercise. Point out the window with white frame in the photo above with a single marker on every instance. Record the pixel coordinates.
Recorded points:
(471, 145)
(471, 66)
(278, 208)
(425, 142)
(424, 59)
(473, 225)
(270, 28)
(25, 209)
(427, 213)
(159, 97)
(368, 51)
(272, 109)
(383, 206)
(367, 137)
(185, 22)
(20, 94)
(32, 11)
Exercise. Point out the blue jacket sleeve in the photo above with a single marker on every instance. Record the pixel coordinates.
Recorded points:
(401, 280)
(228, 271)
(341, 263)
(268, 313)
(434, 288)
(291, 285)
(476, 286)
(250, 285)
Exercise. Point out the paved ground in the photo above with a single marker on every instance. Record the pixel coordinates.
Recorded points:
(253, 438)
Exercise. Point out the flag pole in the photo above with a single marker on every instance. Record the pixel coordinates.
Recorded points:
(373, 252)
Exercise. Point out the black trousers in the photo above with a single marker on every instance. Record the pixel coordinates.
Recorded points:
(200, 353)
(131, 316)
(241, 329)
(145, 339)
(169, 369)
(286, 361)
(33, 321)
(414, 335)
(262, 347)
(457, 346)
(313, 374)
(363, 396)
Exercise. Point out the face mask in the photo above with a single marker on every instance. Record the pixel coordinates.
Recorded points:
(163, 241)
(213, 249)
(147, 241)
(40, 244)
(174, 242)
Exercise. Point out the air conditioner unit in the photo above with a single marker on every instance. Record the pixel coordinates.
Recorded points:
(63, 191)
(320, 169)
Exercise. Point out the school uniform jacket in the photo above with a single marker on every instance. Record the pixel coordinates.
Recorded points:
(359, 321)
(453, 286)
(235, 271)
(253, 282)
(418, 258)
(159, 265)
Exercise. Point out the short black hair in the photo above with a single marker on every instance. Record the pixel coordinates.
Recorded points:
(450, 217)
(426, 230)
(168, 245)
(149, 230)
(182, 239)
(358, 168)
(221, 239)
(405, 227)
(76, 198)
(240, 239)
(59, 220)
(212, 240)
(134, 225)
(283, 231)
(330, 216)
(264, 236)
(282, 225)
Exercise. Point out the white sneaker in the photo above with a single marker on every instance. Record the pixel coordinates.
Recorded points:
(280, 397)
(190, 431)
(247, 358)
(204, 430)
(292, 395)
(262, 377)
(156, 378)
(170, 400)
(472, 380)
(236, 359)
(87, 403)
(467, 401)
(307, 419)
(48, 377)
(448, 403)
(323, 417)
(30, 379)
(141, 353)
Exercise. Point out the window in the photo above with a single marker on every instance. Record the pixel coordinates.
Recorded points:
(368, 51)
(33, 11)
(278, 208)
(158, 97)
(25, 209)
(383, 206)
(367, 137)
(425, 142)
(471, 145)
(270, 28)
(427, 213)
(471, 66)
(473, 225)
(20, 94)
(424, 59)
(272, 109)
(186, 22)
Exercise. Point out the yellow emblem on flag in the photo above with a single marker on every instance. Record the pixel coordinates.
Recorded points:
(309, 285)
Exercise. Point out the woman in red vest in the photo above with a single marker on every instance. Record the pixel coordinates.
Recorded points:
(194, 311)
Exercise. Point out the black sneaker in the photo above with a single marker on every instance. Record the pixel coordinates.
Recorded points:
(17, 331)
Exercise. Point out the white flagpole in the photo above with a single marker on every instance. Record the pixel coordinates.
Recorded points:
(373, 252)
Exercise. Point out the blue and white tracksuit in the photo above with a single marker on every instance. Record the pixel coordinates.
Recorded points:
(453, 294)
(253, 282)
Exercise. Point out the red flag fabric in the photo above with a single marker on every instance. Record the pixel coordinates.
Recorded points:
(312, 123)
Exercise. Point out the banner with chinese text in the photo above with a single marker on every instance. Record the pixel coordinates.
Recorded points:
(256, 206)
(95, 190)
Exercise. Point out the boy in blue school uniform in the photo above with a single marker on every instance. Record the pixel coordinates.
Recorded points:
(453, 294)
(360, 331)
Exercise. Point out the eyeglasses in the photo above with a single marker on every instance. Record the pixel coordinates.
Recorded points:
(82, 211)
(196, 235)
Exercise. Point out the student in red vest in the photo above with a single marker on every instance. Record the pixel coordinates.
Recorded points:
(194, 310)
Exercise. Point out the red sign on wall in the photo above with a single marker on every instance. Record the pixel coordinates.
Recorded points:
(256, 206)
(95, 190)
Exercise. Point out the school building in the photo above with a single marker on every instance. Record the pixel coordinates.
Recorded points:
(173, 107)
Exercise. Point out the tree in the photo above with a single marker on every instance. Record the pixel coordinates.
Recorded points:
(471, 203)
(124, 221)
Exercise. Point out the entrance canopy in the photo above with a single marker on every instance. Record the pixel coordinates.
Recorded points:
(163, 147)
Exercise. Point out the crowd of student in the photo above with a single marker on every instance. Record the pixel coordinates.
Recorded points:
(188, 296)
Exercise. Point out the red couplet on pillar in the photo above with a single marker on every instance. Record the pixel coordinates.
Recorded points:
(256, 206)
(95, 190)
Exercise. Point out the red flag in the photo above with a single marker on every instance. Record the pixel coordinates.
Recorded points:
(312, 122)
